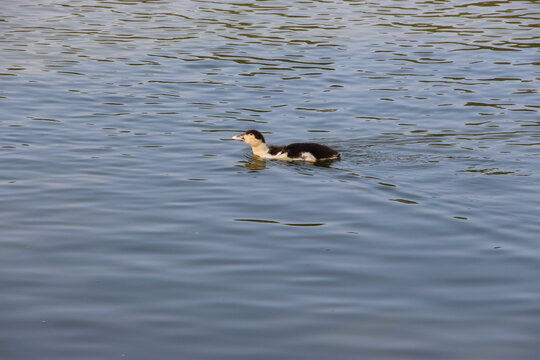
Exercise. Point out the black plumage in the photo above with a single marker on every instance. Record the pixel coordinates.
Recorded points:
(319, 151)
(274, 149)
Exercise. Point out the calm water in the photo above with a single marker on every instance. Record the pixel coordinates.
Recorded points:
(131, 227)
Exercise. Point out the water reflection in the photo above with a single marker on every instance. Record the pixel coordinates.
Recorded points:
(253, 163)
(257, 163)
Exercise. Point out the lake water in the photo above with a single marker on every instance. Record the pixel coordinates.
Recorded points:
(132, 227)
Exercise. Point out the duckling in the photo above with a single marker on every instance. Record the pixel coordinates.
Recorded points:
(298, 151)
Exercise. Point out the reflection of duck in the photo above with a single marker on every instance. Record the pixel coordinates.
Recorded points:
(297, 151)
(254, 163)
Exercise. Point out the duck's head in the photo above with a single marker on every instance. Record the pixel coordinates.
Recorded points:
(250, 137)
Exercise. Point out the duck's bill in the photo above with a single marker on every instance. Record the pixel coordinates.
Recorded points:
(238, 137)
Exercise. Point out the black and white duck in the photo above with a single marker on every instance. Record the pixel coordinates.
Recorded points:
(297, 151)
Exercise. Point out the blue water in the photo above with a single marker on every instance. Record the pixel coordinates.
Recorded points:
(133, 227)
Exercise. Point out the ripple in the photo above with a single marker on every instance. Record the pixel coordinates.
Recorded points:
(281, 223)
(128, 206)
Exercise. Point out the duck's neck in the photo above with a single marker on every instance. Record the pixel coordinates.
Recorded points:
(260, 149)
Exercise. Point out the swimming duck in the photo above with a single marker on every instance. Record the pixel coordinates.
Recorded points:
(297, 151)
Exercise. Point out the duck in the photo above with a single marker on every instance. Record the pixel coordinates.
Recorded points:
(311, 152)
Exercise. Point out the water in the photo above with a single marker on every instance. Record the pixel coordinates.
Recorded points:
(133, 227)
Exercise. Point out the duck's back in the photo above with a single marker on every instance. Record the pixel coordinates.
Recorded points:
(320, 152)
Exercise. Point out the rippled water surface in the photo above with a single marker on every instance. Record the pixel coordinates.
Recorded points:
(132, 227)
